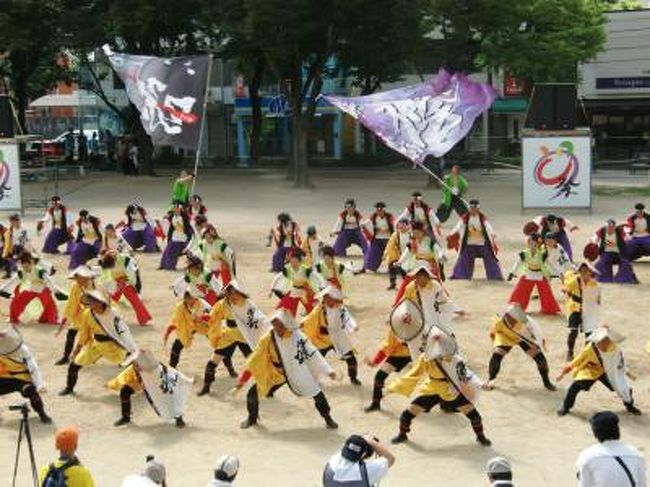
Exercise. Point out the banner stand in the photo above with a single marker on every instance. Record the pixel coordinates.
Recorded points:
(556, 170)
(10, 190)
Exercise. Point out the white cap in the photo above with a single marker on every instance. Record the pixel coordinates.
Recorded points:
(515, 311)
(97, 295)
(331, 291)
(286, 318)
(498, 465)
(440, 344)
(603, 332)
(155, 471)
(82, 271)
(228, 465)
(422, 265)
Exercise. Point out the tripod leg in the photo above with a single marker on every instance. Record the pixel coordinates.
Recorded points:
(20, 440)
(30, 447)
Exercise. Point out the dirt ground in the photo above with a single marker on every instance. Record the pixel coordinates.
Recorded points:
(291, 446)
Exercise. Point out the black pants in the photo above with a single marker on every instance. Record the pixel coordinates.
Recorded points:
(253, 402)
(227, 352)
(458, 205)
(582, 385)
(349, 358)
(26, 389)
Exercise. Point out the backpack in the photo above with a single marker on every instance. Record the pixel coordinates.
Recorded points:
(55, 476)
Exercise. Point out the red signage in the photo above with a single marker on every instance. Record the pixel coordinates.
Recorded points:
(513, 86)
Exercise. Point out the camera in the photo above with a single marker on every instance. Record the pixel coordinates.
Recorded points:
(23, 408)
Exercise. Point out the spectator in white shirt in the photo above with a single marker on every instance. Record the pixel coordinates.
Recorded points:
(225, 471)
(610, 462)
(154, 475)
(352, 466)
(499, 472)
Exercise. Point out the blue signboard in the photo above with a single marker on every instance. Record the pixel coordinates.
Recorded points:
(627, 83)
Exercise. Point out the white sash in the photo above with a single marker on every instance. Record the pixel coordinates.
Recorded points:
(614, 366)
(461, 377)
(337, 330)
(251, 322)
(117, 329)
(302, 363)
(167, 390)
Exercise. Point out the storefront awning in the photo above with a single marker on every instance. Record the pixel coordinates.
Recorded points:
(510, 105)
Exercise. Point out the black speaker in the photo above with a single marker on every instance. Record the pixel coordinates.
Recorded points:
(6, 119)
(565, 106)
(552, 107)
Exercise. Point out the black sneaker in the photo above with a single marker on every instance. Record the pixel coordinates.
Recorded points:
(373, 406)
(632, 409)
(204, 391)
(355, 382)
(483, 440)
(392, 287)
(331, 424)
(62, 361)
(549, 386)
(45, 419)
(66, 392)
(400, 438)
(562, 412)
(122, 422)
(180, 423)
(247, 423)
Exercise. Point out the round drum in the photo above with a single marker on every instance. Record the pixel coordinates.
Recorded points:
(10, 340)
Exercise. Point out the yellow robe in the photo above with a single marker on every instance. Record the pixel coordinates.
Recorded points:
(187, 323)
(74, 307)
(77, 475)
(393, 250)
(573, 291)
(424, 378)
(220, 334)
(586, 365)
(504, 336)
(92, 350)
(311, 326)
(393, 346)
(128, 377)
(13, 369)
(264, 365)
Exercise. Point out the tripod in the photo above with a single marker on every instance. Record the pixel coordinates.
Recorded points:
(24, 429)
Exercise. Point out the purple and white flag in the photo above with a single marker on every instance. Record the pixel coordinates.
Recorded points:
(168, 92)
(424, 119)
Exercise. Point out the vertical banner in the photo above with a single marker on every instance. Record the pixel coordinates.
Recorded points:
(556, 171)
(10, 198)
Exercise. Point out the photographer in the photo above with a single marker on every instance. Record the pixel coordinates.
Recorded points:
(352, 467)
(67, 470)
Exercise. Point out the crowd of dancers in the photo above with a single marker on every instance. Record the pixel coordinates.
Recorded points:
(312, 317)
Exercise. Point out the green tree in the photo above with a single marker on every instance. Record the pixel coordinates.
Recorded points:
(30, 50)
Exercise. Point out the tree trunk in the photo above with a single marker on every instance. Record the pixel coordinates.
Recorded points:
(20, 95)
(144, 142)
(301, 160)
(256, 107)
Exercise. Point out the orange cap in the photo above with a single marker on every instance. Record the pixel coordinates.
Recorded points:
(67, 438)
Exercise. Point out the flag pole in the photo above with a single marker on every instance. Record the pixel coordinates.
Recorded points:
(205, 115)
(435, 176)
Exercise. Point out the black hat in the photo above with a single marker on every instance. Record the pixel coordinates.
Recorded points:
(604, 424)
(380, 204)
(639, 206)
(356, 448)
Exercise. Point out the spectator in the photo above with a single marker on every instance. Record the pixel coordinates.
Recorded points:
(352, 467)
(610, 462)
(93, 145)
(68, 145)
(134, 154)
(225, 471)
(83, 146)
(68, 465)
(154, 475)
(181, 188)
(499, 472)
